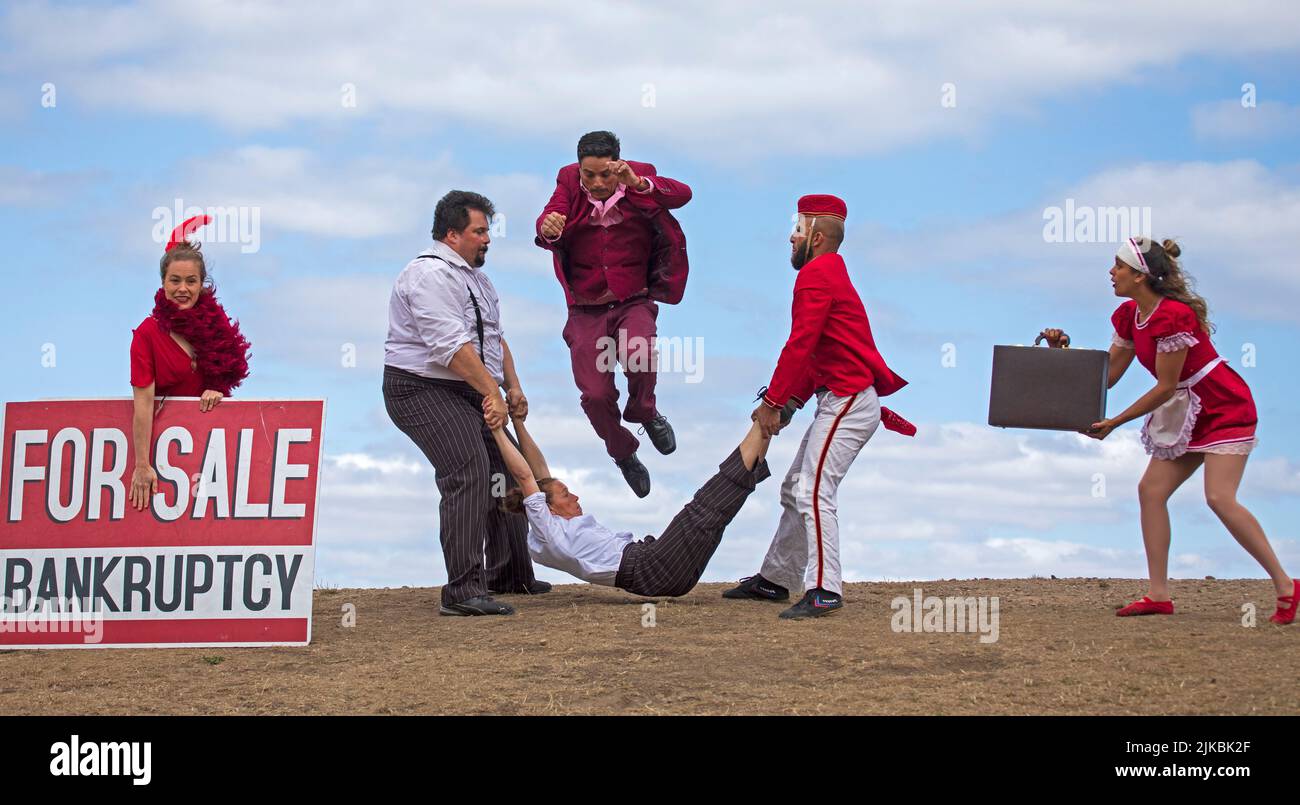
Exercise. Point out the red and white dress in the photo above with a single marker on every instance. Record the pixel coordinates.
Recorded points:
(1213, 410)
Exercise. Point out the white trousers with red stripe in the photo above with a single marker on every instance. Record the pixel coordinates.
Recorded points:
(805, 552)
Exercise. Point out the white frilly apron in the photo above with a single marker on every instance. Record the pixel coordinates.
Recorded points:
(1168, 429)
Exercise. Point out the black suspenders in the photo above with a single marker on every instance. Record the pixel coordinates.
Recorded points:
(478, 324)
(478, 313)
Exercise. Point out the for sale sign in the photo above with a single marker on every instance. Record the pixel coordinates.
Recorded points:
(222, 555)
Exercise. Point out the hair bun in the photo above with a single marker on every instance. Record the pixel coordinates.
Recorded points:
(1171, 248)
(514, 501)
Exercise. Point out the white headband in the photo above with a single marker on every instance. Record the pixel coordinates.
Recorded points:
(1130, 251)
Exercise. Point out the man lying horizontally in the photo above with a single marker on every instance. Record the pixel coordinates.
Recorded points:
(562, 537)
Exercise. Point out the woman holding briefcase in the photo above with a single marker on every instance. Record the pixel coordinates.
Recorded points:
(1200, 412)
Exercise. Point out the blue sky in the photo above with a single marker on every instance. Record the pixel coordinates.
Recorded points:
(752, 105)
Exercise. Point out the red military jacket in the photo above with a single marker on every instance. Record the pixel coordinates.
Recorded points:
(665, 264)
(830, 340)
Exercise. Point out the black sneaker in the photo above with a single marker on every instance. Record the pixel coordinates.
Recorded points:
(536, 588)
(661, 434)
(815, 603)
(478, 605)
(756, 586)
(636, 475)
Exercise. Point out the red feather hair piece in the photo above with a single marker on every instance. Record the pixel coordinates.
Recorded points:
(181, 233)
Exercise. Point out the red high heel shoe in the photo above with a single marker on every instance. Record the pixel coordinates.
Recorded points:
(1285, 616)
(1146, 607)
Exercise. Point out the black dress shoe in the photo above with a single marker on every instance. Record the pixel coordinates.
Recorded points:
(814, 604)
(756, 586)
(661, 434)
(636, 475)
(478, 605)
(536, 588)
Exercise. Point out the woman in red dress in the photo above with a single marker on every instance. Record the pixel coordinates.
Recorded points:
(188, 347)
(1200, 412)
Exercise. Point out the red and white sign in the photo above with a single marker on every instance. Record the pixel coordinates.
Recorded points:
(223, 555)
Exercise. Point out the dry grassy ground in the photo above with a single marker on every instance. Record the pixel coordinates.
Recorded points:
(583, 649)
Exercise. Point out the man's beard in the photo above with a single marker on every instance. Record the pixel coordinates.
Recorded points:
(480, 259)
(800, 256)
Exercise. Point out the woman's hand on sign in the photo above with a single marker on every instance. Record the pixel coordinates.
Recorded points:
(144, 483)
(210, 399)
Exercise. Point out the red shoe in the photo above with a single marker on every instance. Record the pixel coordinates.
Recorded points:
(1285, 616)
(1146, 607)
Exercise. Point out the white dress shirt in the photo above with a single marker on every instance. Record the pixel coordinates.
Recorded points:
(579, 546)
(430, 316)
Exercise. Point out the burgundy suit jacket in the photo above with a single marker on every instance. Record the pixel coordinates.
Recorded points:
(666, 265)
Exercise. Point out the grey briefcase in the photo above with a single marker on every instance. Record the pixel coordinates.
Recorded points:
(1050, 389)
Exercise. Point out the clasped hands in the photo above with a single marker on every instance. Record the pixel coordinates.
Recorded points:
(495, 409)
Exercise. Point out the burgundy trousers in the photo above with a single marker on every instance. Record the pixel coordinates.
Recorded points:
(601, 338)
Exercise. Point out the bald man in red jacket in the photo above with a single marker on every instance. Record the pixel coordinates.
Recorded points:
(831, 353)
(618, 252)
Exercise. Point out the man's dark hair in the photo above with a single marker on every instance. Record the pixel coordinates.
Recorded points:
(452, 212)
(598, 144)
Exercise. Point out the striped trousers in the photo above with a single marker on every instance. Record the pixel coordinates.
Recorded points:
(805, 552)
(445, 419)
(673, 563)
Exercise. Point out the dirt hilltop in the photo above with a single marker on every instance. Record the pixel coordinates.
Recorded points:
(584, 649)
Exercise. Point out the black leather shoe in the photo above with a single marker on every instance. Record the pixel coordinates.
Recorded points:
(756, 586)
(814, 604)
(636, 475)
(661, 434)
(536, 588)
(478, 605)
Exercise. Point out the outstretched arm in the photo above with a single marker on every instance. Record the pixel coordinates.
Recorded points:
(1169, 366)
(530, 451)
(515, 463)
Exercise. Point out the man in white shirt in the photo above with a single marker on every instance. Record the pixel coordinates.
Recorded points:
(446, 361)
(564, 537)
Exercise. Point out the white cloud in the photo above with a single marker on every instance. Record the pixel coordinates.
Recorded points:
(1235, 222)
(728, 77)
(297, 191)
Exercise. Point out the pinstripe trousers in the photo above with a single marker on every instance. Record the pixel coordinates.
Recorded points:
(672, 564)
(445, 419)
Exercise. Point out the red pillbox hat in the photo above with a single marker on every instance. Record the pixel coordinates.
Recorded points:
(820, 205)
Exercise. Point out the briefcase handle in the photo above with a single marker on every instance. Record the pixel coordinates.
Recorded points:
(1066, 336)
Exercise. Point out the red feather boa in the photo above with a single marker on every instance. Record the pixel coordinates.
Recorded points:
(220, 351)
